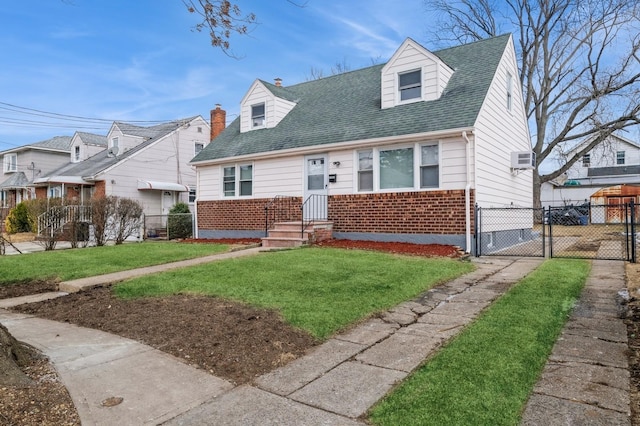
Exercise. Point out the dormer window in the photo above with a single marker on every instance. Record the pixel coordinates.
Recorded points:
(76, 153)
(410, 85)
(114, 142)
(257, 115)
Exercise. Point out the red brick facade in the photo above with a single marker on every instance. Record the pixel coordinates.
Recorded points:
(420, 212)
(232, 214)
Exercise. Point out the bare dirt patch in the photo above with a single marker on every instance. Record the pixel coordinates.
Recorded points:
(230, 340)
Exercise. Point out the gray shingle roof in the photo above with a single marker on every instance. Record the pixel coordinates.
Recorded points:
(346, 107)
(93, 139)
(16, 180)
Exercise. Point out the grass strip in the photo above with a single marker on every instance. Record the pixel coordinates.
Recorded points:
(486, 374)
(320, 290)
(85, 262)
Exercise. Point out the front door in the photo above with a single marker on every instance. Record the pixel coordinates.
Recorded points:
(316, 187)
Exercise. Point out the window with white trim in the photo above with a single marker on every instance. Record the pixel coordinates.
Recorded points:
(257, 115)
(396, 168)
(586, 160)
(197, 147)
(114, 142)
(410, 85)
(429, 167)
(365, 170)
(412, 167)
(76, 153)
(55, 192)
(620, 158)
(10, 162)
(238, 180)
(509, 91)
(192, 194)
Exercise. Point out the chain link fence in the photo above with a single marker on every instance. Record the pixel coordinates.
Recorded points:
(169, 226)
(586, 231)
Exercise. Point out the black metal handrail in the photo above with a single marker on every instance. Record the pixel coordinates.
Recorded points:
(281, 208)
(313, 209)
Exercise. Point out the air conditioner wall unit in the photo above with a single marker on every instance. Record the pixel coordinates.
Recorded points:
(523, 160)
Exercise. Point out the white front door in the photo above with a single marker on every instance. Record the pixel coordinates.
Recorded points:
(316, 186)
(167, 201)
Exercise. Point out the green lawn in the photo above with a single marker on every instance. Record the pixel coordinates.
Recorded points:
(320, 290)
(485, 375)
(84, 262)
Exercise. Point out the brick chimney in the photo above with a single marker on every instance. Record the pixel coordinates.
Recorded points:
(218, 121)
(278, 81)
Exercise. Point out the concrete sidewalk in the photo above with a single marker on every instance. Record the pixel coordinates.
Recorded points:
(333, 385)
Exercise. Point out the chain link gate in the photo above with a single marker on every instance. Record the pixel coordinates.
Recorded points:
(589, 231)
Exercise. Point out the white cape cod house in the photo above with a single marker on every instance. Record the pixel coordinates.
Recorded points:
(395, 152)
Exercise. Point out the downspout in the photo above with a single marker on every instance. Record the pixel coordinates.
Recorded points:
(467, 195)
(195, 207)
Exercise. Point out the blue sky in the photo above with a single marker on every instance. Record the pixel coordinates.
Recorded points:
(140, 60)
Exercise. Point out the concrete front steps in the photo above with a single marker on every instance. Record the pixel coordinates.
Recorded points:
(290, 234)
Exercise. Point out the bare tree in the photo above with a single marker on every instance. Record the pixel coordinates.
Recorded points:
(127, 218)
(579, 67)
(222, 19)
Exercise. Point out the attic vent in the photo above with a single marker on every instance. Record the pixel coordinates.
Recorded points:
(522, 160)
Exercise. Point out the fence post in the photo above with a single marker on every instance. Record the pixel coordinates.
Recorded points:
(632, 205)
(544, 236)
(477, 230)
(550, 220)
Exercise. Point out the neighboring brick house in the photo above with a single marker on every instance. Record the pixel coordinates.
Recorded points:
(395, 152)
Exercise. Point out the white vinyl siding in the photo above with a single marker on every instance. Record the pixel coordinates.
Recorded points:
(275, 109)
(408, 58)
(497, 136)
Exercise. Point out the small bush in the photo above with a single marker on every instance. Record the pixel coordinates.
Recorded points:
(18, 220)
(180, 221)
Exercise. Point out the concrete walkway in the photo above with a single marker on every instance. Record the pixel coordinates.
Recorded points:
(333, 385)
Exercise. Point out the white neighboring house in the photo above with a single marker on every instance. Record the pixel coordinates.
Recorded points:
(149, 164)
(394, 152)
(609, 171)
(22, 165)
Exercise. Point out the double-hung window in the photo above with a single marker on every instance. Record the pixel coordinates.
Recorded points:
(410, 85)
(192, 194)
(76, 153)
(620, 158)
(197, 147)
(429, 167)
(237, 180)
(365, 170)
(586, 160)
(10, 163)
(257, 115)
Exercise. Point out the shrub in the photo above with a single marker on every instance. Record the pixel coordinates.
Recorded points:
(179, 224)
(18, 220)
(127, 218)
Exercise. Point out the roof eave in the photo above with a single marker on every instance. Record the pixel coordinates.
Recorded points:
(414, 137)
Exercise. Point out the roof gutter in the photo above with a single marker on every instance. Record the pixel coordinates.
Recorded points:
(337, 146)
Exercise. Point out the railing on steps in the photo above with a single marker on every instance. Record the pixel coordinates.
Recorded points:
(314, 208)
(54, 219)
(281, 209)
(289, 209)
